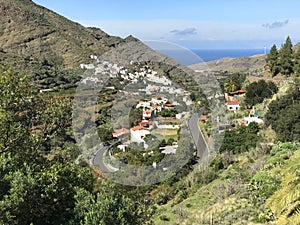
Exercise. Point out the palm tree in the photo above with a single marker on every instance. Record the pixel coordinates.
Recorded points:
(229, 85)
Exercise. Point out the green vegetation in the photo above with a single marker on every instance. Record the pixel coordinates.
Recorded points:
(285, 202)
(259, 91)
(44, 180)
(235, 189)
(283, 116)
(242, 139)
(40, 181)
(233, 82)
(284, 61)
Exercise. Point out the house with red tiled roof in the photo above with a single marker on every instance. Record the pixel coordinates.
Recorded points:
(138, 133)
(239, 94)
(169, 106)
(146, 124)
(119, 133)
(147, 115)
(233, 105)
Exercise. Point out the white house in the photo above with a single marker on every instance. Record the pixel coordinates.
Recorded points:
(159, 101)
(123, 146)
(144, 104)
(119, 133)
(233, 105)
(251, 119)
(138, 134)
(147, 115)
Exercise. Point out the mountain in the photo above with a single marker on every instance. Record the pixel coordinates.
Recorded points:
(254, 64)
(32, 32)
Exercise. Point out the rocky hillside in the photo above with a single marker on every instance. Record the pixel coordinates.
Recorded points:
(29, 31)
(254, 63)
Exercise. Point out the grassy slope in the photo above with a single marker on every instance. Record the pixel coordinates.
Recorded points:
(29, 30)
(225, 200)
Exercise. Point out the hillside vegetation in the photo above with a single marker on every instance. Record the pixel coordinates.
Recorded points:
(33, 32)
(45, 180)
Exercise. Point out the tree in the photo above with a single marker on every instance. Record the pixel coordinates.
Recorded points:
(38, 176)
(297, 62)
(229, 85)
(242, 139)
(272, 60)
(258, 91)
(286, 58)
(109, 207)
(234, 82)
(283, 116)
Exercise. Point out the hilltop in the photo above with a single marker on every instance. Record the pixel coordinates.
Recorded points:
(31, 32)
(243, 64)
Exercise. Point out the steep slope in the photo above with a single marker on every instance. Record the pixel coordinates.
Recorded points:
(254, 63)
(28, 30)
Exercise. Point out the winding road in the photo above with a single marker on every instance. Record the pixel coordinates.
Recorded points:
(202, 148)
(98, 159)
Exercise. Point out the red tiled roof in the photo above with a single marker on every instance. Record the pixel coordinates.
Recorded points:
(138, 128)
(145, 123)
(237, 92)
(233, 103)
(121, 131)
(169, 105)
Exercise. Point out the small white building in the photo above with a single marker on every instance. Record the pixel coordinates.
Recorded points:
(147, 115)
(251, 119)
(119, 133)
(187, 100)
(233, 105)
(159, 101)
(138, 134)
(144, 104)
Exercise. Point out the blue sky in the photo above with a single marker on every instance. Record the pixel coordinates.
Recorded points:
(196, 24)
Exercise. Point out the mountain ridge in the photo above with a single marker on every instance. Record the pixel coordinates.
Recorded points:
(254, 64)
(28, 30)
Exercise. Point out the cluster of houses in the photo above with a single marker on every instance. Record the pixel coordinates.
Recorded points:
(102, 67)
(150, 108)
(154, 84)
(233, 104)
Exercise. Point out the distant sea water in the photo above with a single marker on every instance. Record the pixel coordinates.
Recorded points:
(192, 57)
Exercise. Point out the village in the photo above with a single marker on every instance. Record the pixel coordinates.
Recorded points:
(162, 113)
(159, 117)
(165, 109)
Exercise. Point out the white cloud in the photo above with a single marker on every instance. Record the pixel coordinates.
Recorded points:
(184, 32)
(199, 31)
(276, 24)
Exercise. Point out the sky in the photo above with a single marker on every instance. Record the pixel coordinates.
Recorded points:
(194, 24)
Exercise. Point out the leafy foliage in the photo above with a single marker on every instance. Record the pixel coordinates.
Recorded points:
(40, 183)
(286, 58)
(284, 116)
(242, 139)
(272, 61)
(284, 61)
(258, 91)
(233, 82)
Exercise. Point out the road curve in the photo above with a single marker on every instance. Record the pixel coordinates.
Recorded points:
(202, 148)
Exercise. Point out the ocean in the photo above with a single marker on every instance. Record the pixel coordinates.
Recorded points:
(189, 57)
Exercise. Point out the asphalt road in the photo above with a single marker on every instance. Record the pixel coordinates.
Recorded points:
(98, 160)
(202, 148)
